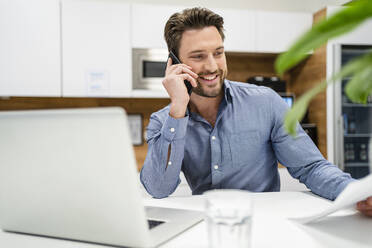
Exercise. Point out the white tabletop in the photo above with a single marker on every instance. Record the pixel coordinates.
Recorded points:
(271, 228)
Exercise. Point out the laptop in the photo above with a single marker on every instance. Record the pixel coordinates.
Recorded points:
(71, 174)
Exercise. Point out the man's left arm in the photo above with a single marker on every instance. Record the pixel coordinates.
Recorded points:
(305, 162)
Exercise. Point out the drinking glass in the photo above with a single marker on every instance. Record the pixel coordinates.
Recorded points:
(229, 218)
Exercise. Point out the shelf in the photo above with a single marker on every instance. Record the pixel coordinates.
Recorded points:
(353, 164)
(358, 135)
(368, 105)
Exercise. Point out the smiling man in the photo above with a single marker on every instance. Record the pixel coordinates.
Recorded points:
(225, 135)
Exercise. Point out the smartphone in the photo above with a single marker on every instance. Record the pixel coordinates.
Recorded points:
(175, 60)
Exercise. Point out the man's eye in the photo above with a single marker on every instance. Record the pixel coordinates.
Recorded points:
(197, 56)
(218, 53)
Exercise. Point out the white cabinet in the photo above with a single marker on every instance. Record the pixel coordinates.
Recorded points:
(30, 48)
(245, 30)
(240, 27)
(148, 22)
(276, 31)
(362, 35)
(83, 48)
(96, 48)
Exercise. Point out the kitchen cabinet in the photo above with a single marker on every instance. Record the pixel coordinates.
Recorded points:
(245, 30)
(83, 48)
(148, 22)
(240, 27)
(30, 62)
(276, 31)
(96, 50)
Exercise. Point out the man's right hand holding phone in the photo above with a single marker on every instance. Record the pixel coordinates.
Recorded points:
(175, 74)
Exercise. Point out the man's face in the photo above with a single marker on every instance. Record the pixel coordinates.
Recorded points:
(203, 50)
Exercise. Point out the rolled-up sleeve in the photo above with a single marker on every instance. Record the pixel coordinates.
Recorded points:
(160, 176)
(302, 158)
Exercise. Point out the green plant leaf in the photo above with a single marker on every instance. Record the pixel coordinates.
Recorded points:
(360, 86)
(341, 22)
(298, 110)
(356, 67)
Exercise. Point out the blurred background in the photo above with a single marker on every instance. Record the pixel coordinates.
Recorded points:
(88, 53)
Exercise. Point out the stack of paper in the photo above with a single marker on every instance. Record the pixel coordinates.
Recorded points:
(353, 193)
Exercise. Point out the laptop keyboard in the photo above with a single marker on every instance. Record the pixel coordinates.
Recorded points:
(154, 223)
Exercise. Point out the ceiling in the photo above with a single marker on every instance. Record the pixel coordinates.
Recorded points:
(311, 6)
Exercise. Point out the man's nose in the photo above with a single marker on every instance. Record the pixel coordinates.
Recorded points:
(210, 64)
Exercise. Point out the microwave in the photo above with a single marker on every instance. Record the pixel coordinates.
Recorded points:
(148, 67)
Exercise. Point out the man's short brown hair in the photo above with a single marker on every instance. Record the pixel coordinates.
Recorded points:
(194, 18)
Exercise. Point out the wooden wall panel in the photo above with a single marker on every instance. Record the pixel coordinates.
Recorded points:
(131, 105)
(305, 76)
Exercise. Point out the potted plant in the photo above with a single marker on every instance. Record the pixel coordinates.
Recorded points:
(360, 68)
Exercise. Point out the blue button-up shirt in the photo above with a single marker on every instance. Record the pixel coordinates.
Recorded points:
(241, 151)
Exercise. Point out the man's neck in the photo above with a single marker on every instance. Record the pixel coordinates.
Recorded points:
(207, 107)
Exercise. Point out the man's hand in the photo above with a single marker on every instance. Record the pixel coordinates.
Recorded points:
(365, 207)
(177, 91)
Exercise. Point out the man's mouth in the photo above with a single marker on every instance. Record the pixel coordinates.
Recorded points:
(209, 79)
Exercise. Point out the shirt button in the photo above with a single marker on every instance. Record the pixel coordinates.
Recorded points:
(169, 163)
(213, 137)
(172, 130)
(216, 167)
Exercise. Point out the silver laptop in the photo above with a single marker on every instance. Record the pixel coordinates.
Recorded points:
(71, 174)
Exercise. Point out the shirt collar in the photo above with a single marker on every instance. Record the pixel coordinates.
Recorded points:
(228, 91)
(228, 95)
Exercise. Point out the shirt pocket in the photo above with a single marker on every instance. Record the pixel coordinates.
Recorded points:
(245, 148)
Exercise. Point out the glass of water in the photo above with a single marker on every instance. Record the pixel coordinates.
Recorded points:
(229, 218)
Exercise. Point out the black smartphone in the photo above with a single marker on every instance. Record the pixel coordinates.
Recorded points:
(175, 60)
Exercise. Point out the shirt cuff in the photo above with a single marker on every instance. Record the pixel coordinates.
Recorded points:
(174, 128)
(342, 186)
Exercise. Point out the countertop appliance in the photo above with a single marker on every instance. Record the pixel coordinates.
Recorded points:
(148, 67)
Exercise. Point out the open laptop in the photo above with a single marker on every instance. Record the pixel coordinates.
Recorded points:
(71, 174)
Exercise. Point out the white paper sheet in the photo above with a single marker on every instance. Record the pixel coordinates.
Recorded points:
(353, 193)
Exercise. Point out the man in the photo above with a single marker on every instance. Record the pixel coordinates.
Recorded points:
(225, 134)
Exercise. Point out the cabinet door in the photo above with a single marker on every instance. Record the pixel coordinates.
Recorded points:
(30, 48)
(276, 31)
(240, 26)
(96, 48)
(148, 22)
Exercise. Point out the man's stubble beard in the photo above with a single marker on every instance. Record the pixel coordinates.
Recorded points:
(216, 92)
